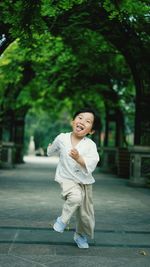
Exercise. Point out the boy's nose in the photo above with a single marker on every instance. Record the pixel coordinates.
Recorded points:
(83, 121)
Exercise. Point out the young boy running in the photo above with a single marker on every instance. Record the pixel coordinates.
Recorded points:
(78, 158)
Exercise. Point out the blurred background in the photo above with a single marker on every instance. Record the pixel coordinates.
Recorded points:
(58, 57)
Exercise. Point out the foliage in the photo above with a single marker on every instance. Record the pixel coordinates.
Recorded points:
(11, 73)
(127, 10)
(58, 73)
(55, 62)
(48, 62)
(52, 9)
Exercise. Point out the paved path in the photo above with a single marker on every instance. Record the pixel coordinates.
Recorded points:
(30, 201)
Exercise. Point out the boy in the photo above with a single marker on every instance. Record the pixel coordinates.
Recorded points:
(78, 158)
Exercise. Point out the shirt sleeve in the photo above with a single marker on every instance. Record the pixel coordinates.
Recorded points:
(91, 159)
(54, 147)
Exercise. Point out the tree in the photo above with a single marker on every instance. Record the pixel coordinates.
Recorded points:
(125, 25)
(75, 59)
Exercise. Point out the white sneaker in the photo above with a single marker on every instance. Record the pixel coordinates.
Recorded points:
(59, 226)
(81, 241)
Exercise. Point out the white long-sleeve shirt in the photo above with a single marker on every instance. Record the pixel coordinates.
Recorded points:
(67, 167)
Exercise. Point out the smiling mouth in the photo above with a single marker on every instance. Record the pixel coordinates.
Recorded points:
(80, 128)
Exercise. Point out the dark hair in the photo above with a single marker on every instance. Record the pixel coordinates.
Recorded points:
(96, 123)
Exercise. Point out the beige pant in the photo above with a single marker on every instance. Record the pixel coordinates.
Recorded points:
(78, 198)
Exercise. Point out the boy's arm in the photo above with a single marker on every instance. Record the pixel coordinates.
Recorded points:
(53, 148)
(88, 162)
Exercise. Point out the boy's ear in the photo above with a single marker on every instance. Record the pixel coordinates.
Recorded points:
(92, 132)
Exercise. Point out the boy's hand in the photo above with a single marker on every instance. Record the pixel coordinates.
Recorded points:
(74, 153)
(77, 157)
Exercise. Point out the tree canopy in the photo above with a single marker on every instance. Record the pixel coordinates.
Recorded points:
(71, 53)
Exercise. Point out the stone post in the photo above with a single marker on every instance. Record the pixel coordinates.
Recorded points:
(139, 165)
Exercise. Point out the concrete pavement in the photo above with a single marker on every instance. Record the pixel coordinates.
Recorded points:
(30, 201)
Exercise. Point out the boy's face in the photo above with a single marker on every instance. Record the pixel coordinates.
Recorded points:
(83, 123)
